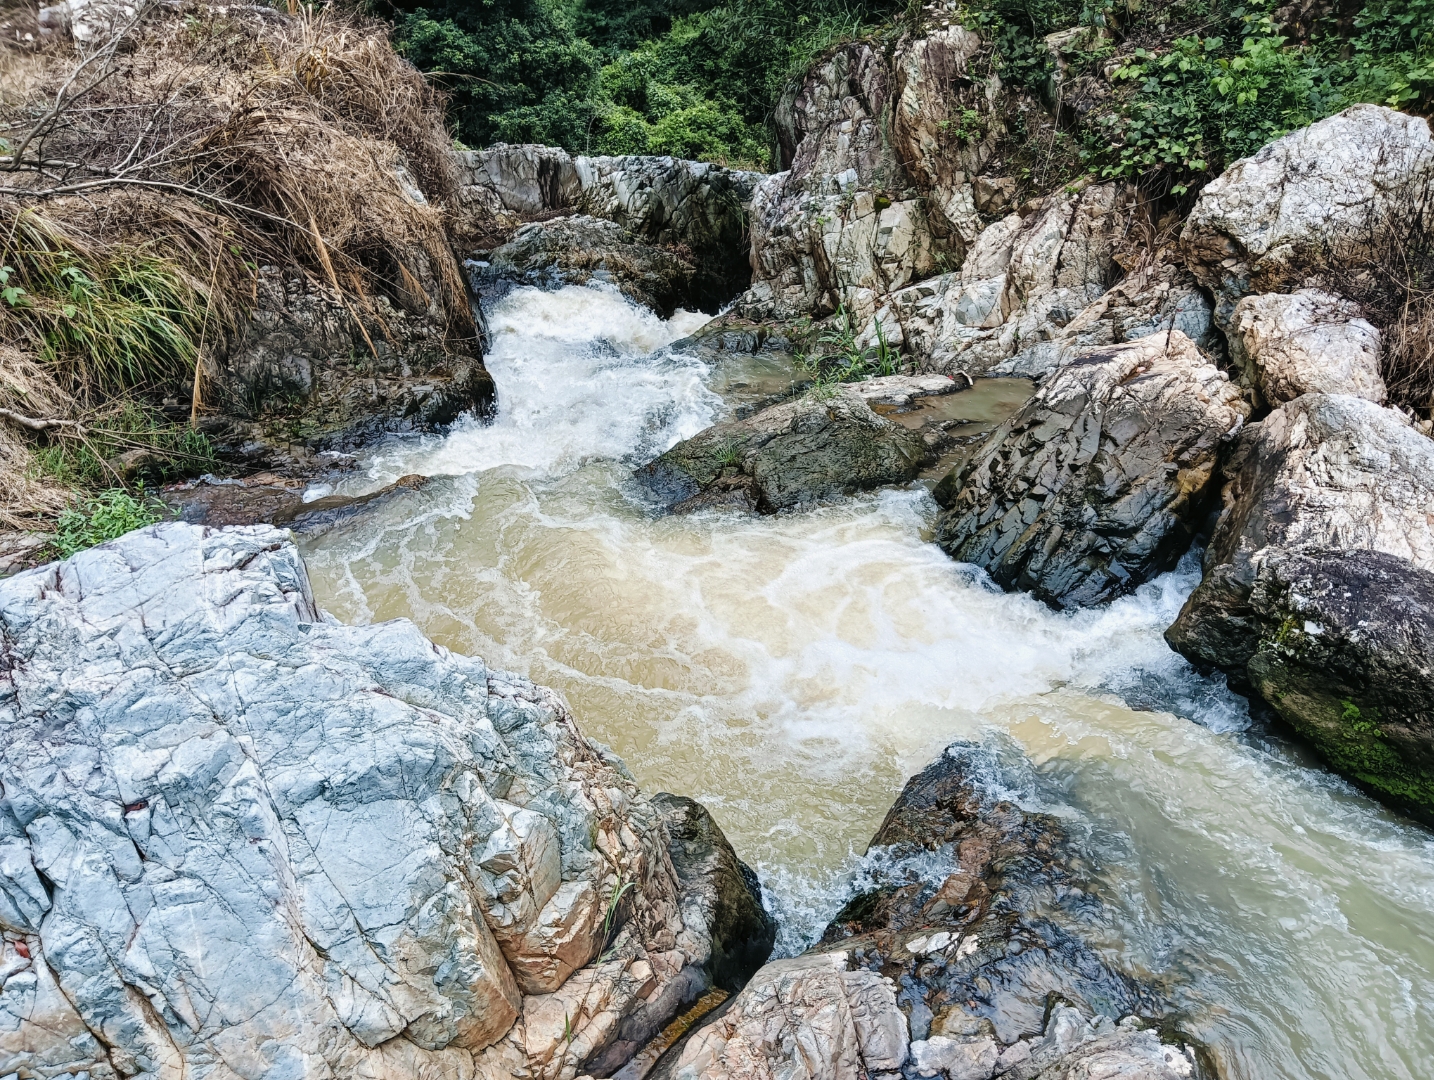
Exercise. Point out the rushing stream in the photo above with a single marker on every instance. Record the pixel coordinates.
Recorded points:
(791, 672)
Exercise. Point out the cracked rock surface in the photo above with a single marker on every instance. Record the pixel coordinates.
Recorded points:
(1097, 484)
(240, 839)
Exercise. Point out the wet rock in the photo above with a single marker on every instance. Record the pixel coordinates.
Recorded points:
(301, 374)
(721, 896)
(952, 979)
(820, 446)
(270, 500)
(236, 829)
(1308, 342)
(1322, 472)
(1345, 655)
(1259, 220)
(661, 202)
(1099, 482)
(581, 250)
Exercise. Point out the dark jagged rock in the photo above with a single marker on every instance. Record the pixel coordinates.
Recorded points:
(817, 447)
(581, 250)
(719, 891)
(973, 977)
(1345, 655)
(1099, 482)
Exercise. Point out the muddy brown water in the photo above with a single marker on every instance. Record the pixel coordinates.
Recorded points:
(792, 671)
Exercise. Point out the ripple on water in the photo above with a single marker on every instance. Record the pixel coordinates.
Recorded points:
(791, 672)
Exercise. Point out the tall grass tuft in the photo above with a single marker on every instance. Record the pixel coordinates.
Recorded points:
(105, 319)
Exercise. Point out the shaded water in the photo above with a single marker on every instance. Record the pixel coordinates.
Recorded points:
(791, 672)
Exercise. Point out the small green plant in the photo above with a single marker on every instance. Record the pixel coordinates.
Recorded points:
(838, 358)
(619, 890)
(170, 451)
(567, 1029)
(105, 516)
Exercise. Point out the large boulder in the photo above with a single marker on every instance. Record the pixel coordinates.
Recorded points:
(1036, 290)
(1345, 655)
(1322, 472)
(1259, 221)
(828, 443)
(970, 975)
(662, 202)
(1307, 342)
(1099, 482)
(239, 838)
(581, 250)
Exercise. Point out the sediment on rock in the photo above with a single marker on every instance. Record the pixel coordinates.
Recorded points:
(1100, 481)
(235, 829)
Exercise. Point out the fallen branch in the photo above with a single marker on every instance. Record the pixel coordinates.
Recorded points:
(37, 424)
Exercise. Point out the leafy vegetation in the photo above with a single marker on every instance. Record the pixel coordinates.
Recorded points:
(128, 440)
(696, 78)
(835, 356)
(105, 516)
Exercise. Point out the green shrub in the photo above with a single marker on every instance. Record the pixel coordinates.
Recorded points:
(166, 451)
(105, 516)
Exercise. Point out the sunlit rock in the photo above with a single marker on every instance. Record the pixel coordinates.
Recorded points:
(1308, 342)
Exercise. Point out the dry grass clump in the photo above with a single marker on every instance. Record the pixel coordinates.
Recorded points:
(147, 175)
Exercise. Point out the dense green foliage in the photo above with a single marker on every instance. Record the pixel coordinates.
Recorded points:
(106, 516)
(1191, 84)
(695, 78)
(158, 451)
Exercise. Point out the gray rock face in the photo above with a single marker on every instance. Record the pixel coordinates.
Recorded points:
(817, 447)
(582, 249)
(1323, 472)
(875, 189)
(1308, 342)
(1099, 482)
(1338, 175)
(659, 201)
(1035, 290)
(950, 979)
(1345, 655)
(301, 361)
(238, 838)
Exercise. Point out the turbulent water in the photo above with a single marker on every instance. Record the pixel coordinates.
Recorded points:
(792, 672)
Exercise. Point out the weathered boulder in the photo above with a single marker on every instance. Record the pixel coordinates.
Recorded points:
(266, 499)
(1099, 482)
(238, 837)
(954, 976)
(721, 895)
(1036, 290)
(1322, 472)
(1345, 654)
(1333, 180)
(825, 444)
(307, 370)
(878, 183)
(663, 202)
(1308, 342)
(580, 250)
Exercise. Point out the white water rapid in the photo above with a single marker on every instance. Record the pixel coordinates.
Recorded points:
(791, 672)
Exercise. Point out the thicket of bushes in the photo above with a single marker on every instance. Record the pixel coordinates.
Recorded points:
(1187, 85)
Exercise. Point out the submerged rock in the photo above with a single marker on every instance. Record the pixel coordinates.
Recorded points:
(1099, 482)
(234, 830)
(1323, 472)
(1308, 342)
(968, 979)
(820, 446)
(1345, 654)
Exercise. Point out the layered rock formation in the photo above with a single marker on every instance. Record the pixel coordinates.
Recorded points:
(828, 443)
(1323, 472)
(238, 838)
(1100, 481)
(955, 978)
(689, 208)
